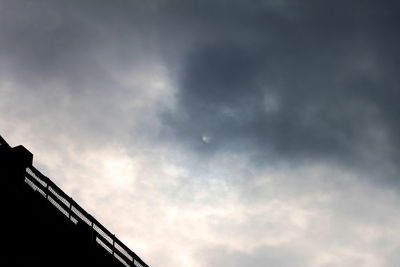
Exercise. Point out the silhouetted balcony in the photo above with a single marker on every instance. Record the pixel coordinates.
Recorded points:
(43, 226)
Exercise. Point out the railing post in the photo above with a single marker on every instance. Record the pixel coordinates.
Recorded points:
(92, 239)
(70, 207)
(113, 244)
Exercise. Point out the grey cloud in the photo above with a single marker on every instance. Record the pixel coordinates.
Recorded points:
(275, 79)
(261, 256)
(262, 82)
(306, 84)
(66, 40)
(66, 60)
(300, 80)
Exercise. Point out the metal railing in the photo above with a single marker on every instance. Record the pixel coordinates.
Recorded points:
(76, 214)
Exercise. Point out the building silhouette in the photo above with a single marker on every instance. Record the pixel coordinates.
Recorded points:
(44, 227)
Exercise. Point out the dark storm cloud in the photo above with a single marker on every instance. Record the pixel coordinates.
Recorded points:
(305, 80)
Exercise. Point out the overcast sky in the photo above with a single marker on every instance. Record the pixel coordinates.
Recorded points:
(216, 132)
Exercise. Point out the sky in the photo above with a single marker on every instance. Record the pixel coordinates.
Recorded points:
(215, 133)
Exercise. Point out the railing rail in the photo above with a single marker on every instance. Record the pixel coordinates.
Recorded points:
(72, 210)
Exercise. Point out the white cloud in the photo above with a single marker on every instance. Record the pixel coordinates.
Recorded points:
(167, 206)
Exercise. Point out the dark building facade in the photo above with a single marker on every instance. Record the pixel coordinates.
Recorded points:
(44, 227)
